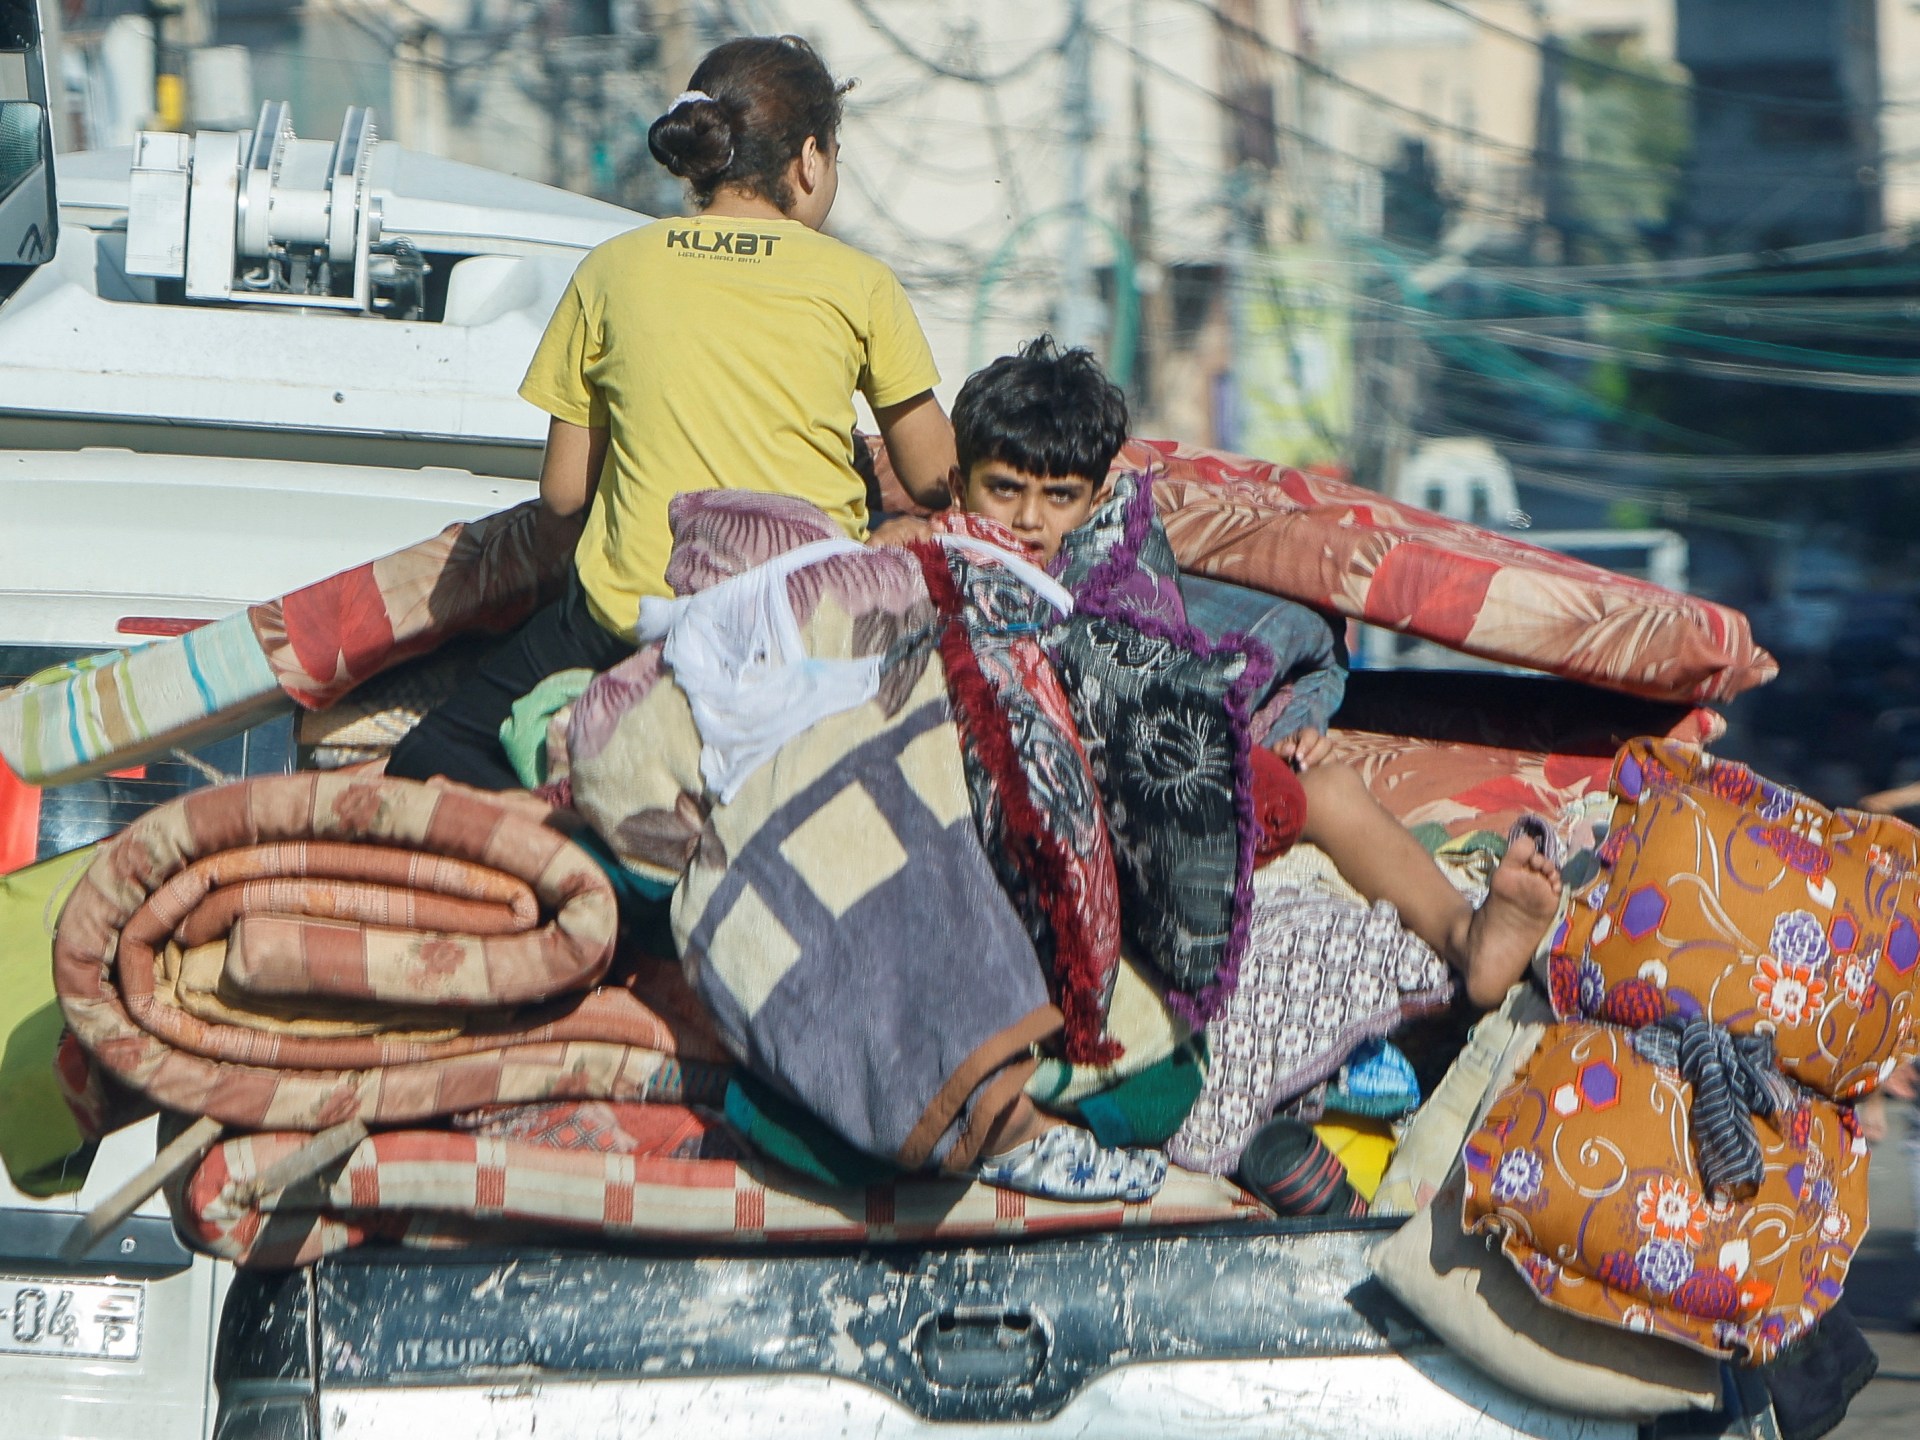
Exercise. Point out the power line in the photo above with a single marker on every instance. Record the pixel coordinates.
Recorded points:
(1772, 102)
(1726, 470)
(1387, 102)
(1657, 500)
(954, 72)
(1505, 327)
(1801, 377)
(1733, 263)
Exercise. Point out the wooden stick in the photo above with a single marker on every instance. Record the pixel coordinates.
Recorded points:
(188, 1149)
(321, 1151)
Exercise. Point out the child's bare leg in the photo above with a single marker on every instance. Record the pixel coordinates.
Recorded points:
(1380, 858)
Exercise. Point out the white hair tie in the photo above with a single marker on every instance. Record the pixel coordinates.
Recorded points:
(687, 97)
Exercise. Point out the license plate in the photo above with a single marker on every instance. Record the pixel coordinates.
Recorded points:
(80, 1319)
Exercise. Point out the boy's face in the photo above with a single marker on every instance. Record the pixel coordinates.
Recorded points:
(1038, 510)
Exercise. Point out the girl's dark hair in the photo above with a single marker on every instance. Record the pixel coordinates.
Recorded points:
(768, 95)
(1044, 411)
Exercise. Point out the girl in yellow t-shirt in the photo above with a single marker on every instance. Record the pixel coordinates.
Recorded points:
(720, 350)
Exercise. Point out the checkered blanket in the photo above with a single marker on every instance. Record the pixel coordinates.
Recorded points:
(838, 916)
(295, 951)
(437, 1187)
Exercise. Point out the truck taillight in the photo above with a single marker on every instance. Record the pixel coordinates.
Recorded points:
(19, 821)
(158, 626)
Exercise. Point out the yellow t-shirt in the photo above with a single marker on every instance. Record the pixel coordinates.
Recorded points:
(720, 353)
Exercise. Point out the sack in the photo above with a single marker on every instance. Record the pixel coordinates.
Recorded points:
(1473, 1300)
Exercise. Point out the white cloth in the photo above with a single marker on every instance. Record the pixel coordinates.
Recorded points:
(736, 652)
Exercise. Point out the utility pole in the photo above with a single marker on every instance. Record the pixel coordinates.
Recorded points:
(1549, 171)
(1079, 318)
(53, 55)
(1252, 152)
(1153, 296)
(169, 89)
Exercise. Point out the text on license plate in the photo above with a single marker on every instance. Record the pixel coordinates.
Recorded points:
(82, 1319)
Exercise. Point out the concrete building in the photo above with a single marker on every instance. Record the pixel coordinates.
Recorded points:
(1227, 147)
(1785, 114)
(1899, 167)
(1467, 91)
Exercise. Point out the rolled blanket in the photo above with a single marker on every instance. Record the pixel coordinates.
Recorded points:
(436, 1187)
(294, 951)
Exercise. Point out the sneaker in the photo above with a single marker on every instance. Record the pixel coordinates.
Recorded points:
(1067, 1163)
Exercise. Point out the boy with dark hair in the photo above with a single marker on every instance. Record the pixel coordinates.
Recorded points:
(1036, 434)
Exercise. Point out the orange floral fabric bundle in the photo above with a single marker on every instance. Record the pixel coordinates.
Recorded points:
(1731, 898)
(1585, 1169)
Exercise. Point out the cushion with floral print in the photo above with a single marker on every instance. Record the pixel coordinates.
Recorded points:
(1725, 895)
(1166, 716)
(1584, 1169)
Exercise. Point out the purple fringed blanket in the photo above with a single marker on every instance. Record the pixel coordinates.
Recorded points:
(1165, 714)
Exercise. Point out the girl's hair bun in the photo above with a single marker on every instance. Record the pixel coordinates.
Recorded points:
(694, 140)
(749, 109)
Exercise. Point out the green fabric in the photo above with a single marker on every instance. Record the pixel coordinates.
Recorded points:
(1138, 1017)
(1147, 1108)
(1435, 840)
(41, 1146)
(782, 1130)
(523, 734)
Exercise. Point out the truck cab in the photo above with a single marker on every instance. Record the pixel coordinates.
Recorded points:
(232, 364)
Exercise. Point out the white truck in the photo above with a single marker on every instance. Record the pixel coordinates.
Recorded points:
(232, 364)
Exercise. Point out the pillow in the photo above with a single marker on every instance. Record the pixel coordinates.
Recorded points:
(1165, 714)
(1585, 1168)
(1474, 1301)
(1496, 1048)
(1726, 895)
(1331, 544)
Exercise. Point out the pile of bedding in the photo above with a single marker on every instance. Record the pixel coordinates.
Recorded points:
(1052, 927)
(1662, 1143)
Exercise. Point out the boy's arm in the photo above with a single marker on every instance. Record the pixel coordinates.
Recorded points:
(920, 444)
(1317, 679)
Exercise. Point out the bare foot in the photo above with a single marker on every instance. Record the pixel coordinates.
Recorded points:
(1503, 933)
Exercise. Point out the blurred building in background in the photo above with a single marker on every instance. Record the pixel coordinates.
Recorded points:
(1646, 262)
